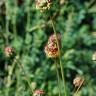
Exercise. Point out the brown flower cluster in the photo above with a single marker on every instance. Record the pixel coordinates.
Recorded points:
(43, 5)
(51, 48)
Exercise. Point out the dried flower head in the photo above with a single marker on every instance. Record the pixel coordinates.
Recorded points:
(51, 48)
(78, 81)
(9, 51)
(42, 5)
(94, 56)
(38, 92)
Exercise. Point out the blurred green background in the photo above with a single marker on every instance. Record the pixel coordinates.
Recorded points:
(27, 30)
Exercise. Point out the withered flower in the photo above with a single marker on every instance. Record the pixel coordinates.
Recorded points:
(78, 81)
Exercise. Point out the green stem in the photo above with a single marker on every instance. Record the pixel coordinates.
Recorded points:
(9, 78)
(28, 16)
(26, 77)
(14, 30)
(7, 21)
(14, 19)
(64, 83)
(56, 66)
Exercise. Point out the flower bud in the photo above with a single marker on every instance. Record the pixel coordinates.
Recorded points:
(34, 85)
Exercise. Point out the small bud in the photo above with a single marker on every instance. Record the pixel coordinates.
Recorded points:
(34, 85)
(94, 57)
(38, 92)
(9, 51)
(78, 81)
(42, 5)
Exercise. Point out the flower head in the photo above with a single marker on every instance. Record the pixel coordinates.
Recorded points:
(42, 5)
(94, 57)
(51, 52)
(38, 92)
(51, 48)
(78, 81)
(9, 51)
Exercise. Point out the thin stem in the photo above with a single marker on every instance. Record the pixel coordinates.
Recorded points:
(14, 30)
(27, 79)
(56, 66)
(28, 16)
(64, 83)
(9, 78)
(7, 21)
(78, 88)
(14, 19)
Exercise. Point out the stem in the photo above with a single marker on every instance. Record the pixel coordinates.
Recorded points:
(28, 16)
(7, 21)
(64, 83)
(14, 30)
(27, 79)
(14, 19)
(56, 66)
(78, 88)
(9, 78)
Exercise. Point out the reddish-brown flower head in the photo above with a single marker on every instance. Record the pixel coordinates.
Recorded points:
(51, 48)
(38, 92)
(9, 51)
(51, 52)
(42, 5)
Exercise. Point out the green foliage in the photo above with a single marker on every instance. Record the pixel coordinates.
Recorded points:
(27, 30)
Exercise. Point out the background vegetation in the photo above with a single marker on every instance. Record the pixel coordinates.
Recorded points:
(28, 29)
